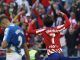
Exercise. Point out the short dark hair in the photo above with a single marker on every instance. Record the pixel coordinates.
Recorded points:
(48, 21)
(3, 17)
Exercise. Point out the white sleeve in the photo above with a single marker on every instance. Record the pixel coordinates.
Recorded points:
(5, 33)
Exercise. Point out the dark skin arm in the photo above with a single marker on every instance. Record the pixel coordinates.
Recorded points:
(4, 44)
(26, 51)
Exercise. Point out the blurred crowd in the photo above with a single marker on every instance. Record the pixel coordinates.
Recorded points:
(22, 12)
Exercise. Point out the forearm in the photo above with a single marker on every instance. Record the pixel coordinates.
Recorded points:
(26, 52)
(31, 29)
(40, 22)
(4, 44)
(16, 17)
(67, 22)
(35, 31)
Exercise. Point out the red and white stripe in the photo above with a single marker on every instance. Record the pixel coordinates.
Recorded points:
(51, 51)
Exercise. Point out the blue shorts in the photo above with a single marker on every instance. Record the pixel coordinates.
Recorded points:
(55, 56)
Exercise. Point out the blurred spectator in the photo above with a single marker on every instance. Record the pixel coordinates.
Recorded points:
(25, 5)
(74, 24)
(61, 6)
(78, 10)
(71, 36)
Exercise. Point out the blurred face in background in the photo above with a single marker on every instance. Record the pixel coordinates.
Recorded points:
(4, 23)
(72, 14)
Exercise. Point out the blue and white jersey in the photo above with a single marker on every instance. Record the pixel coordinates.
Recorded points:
(14, 36)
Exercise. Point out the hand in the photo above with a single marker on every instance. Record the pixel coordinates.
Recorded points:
(22, 12)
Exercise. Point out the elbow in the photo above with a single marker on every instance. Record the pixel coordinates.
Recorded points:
(3, 45)
(67, 25)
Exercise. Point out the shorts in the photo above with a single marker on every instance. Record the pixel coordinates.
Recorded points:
(13, 56)
(55, 56)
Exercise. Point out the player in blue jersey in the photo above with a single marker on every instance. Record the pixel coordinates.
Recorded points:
(13, 40)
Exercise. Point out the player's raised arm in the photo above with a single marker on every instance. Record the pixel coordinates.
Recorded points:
(40, 22)
(32, 30)
(17, 16)
(66, 24)
(31, 27)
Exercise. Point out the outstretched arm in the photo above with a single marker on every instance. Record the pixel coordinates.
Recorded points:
(40, 22)
(17, 16)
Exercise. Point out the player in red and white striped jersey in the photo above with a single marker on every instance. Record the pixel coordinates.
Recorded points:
(51, 35)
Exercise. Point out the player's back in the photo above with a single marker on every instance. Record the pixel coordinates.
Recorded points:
(51, 39)
(15, 37)
(50, 35)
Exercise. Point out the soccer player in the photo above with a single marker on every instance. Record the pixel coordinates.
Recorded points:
(13, 40)
(51, 36)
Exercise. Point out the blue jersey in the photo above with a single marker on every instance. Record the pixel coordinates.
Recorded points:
(14, 36)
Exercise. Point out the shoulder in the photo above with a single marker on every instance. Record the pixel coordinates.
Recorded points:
(7, 30)
(12, 26)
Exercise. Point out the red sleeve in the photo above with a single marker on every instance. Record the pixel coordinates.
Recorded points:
(39, 19)
(31, 29)
(40, 22)
(64, 26)
(67, 22)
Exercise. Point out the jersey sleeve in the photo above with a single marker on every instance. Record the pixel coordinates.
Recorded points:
(31, 28)
(64, 26)
(40, 22)
(34, 30)
(7, 35)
